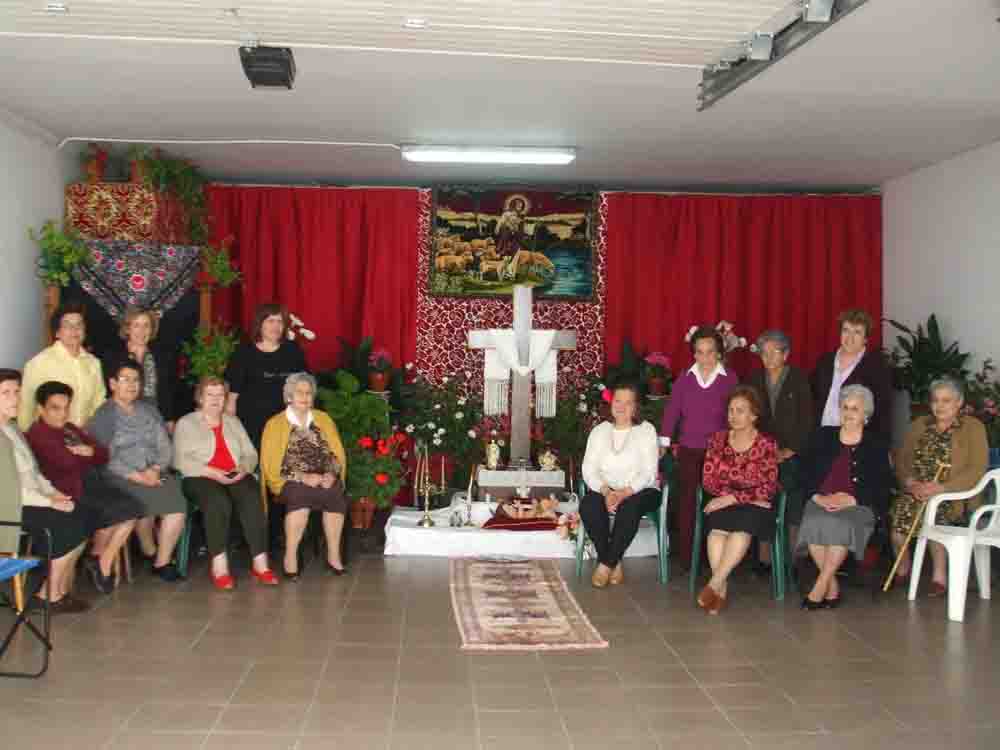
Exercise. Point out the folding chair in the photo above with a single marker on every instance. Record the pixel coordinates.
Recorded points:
(10, 568)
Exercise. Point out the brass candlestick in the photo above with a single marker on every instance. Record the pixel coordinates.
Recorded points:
(425, 486)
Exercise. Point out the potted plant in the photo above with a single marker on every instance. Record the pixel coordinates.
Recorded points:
(374, 476)
(137, 157)
(920, 356)
(94, 160)
(218, 266)
(208, 352)
(658, 373)
(185, 182)
(982, 400)
(379, 367)
(62, 250)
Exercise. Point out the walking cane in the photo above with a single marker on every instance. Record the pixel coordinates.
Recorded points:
(913, 529)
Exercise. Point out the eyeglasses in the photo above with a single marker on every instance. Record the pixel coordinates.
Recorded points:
(127, 379)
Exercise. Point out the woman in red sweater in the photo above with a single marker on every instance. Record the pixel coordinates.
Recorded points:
(741, 472)
(66, 456)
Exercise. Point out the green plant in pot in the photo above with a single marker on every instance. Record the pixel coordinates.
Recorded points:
(61, 252)
(219, 265)
(209, 351)
(920, 356)
(184, 181)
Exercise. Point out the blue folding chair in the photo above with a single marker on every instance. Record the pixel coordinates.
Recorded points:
(10, 567)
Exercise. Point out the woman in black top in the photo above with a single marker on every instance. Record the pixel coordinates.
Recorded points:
(257, 371)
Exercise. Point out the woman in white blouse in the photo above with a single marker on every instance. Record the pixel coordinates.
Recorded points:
(620, 469)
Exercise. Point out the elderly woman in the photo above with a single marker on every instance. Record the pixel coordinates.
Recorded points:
(258, 370)
(304, 466)
(216, 457)
(43, 507)
(697, 406)
(70, 458)
(741, 472)
(140, 454)
(846, 476)
(787, 415)
(159, 365)
(66, 361)
(620, 469)
(853, 364)
(946, 451)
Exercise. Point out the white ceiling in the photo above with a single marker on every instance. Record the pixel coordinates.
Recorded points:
(895, 86)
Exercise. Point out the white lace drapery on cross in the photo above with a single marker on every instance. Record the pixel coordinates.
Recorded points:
(501, 358)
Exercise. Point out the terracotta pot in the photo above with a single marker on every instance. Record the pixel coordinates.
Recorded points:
(657, 386)
(362, 513)
(378, 381)
(95, 171)
(136, 171)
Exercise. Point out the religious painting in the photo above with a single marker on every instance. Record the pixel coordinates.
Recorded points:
(484, 240)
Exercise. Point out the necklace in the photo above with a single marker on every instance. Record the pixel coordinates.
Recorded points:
(618, 451)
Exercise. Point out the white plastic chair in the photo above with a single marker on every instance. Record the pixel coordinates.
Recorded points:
(961, 542)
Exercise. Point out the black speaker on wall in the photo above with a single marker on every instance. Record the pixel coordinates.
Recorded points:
(268, 67)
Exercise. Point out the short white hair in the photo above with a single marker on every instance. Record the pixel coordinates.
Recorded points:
(946, 381)
(293, 380)
(859, 392)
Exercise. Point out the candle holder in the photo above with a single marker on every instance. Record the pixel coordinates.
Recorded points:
(425, 487)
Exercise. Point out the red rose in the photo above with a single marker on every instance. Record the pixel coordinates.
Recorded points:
(381, 478)
(365, 442)
(119, 265)
(382, 447)
(138, 282)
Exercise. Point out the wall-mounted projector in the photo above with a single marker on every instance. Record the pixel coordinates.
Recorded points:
(268, 67)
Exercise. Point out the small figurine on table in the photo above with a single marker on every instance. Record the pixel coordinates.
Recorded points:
(548, 461)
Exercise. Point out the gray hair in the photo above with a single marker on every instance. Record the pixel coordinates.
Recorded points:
(780, 339)
(293, 380)
(859, 392)
(947, 381)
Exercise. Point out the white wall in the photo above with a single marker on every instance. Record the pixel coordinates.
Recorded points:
(32, 177)
(942, 250)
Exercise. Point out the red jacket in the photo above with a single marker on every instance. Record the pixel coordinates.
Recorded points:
(64, 469)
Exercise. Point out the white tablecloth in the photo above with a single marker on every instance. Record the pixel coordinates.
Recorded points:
(404, 537)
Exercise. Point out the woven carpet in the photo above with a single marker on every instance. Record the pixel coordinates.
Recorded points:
(517, 605)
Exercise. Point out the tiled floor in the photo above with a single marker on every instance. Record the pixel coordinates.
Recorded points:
(371, 660)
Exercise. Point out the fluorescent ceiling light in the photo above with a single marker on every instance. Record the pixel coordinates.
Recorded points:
(415, 23)
(488, 154)
(55, 7)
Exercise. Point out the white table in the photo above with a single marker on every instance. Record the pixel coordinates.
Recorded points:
(404, 537)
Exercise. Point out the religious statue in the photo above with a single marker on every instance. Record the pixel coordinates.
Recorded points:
(547, 461)
(534, 509)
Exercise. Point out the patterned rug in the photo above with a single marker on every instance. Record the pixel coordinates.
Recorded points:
(517, 605)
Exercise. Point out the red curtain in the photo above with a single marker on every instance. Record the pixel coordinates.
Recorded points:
(343, 260)
(788, 262)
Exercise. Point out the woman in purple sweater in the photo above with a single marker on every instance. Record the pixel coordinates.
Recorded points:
(697, 406)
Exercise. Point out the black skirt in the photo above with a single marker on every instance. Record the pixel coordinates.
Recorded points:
(752, 519)
(107, 504)
(68, 529)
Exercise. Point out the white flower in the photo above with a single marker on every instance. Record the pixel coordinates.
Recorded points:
(437, 406)
(583, 396)
(436, 441)
(440, 431)
(599, 387)
(295, 320)
(459, 415)
(291, 335)
(472, 434)
(461, 401)
(500, 442)
(409, 366)
(306, 333)
(445, 379)
(410, 428)
(431, 425)
(690, 333)
(493, 433)
(582, 407)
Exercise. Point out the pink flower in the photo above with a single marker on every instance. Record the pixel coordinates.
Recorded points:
(606, 395)
(171, 252)
(97, 255)
(138, 282)
(119, 265)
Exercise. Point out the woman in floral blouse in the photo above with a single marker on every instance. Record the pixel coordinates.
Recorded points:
(741, 471)
(304, 466)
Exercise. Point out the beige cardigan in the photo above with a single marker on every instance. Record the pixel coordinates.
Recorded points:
(36, 490)
(194, 444)
(10, 497)
(969, 454)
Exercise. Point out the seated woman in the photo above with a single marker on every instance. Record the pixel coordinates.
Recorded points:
(44, 507)
(140, 454)
(216, 457)
(68, 458)
(846, 476)
(948, 439)
(620, 469)
(304, 466)
(741, 471)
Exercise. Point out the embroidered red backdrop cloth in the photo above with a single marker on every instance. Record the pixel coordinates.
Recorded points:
(788, 262)
(343, 260)
(125, 211)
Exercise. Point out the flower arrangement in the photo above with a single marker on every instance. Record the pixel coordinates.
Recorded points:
(444, 417)
(374, 469)
(983, 401)
(298, 328)
(61, 252)
(380, 360)
(730, 341)
(208, 352)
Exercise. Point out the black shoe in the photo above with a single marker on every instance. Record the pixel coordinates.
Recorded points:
(104, 584)
(809, 605)
(65, 606)
(291, 577)
(832, 603)
(168, 573)
(335, 571)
